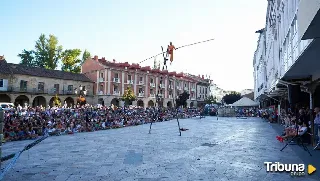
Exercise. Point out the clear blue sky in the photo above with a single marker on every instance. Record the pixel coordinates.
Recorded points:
(132, 30)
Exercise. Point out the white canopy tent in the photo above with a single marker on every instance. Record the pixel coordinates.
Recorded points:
(245, 102)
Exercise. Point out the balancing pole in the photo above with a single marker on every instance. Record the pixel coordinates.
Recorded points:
(178, 123)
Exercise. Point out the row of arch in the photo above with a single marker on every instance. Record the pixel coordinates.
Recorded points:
(37, 101)
(140, 103)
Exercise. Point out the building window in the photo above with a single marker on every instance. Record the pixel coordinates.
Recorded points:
(1, 82)
(70, 88)
(56, 88)
(41, 87)
(116, 75)
(140, 90)
(129, 77)
(23, 85)
(101, 75)
(151, 80)
(115, 88)
(141, 79)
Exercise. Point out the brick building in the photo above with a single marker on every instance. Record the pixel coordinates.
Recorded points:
(20, 84)
(112, 78)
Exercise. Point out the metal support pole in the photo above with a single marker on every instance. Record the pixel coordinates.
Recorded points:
(312, 120)
(1, 132)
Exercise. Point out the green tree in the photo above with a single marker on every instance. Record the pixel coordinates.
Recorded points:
(86, 54)
(48, 52)
(41, 53)
(128, 96)
(182, 100)
(70, 60)
(27, 58)
(231, 97)
(211, 100)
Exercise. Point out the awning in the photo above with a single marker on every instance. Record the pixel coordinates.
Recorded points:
(245, 102)
(308, 19)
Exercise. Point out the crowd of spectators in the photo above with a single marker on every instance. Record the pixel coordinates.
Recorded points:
(31, 122)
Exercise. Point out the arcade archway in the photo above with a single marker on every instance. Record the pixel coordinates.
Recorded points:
(150, 103)
(115, 102)
(69, 101)
(169, 104)
(52, 102)
(5, 98)
(21, 100)
(140, 103)
(39, 101)
(191, 104)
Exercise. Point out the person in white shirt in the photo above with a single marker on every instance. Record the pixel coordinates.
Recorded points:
(302, 129)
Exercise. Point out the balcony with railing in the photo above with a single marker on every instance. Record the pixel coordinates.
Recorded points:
(193, 89)
(152, 95)
(162, 86)
(101, 79)
(152, 84)
(170, 96)
(141, 94)
(170, 87)
(116, 93)
(141, 83)
(50, 91)
(116, 80)
(186, 88)
(130, 82)
(179, 88)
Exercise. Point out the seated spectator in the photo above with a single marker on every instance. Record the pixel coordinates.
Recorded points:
(302, 129)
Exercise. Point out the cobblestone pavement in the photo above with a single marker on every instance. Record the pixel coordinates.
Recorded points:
(224, 149)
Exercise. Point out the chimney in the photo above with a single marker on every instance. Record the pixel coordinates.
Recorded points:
(103, 58)
(114, 61)
(202, 76)
(96, 57)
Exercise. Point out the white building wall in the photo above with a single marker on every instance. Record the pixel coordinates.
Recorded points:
(282, 45)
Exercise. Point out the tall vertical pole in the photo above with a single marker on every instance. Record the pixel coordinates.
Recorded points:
(312, 120)
(1, 132)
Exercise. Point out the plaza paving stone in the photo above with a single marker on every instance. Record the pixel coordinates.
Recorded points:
(224, 149)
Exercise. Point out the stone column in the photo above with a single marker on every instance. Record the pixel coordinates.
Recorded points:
(109, 82)
(105, 83)
(98, 87)
(166, 87)
(157, 84)
(122, 83)
(147, 85)
(135, 83)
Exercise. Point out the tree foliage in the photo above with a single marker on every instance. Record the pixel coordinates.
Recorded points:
(182, 99)
(48, 51)
(48, 54)
(27, 58)
(211, 100)
(128, 96)
(231, 97)
(71, 61)
(86, 54)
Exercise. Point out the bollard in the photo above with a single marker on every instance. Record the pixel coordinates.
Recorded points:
(1, 132)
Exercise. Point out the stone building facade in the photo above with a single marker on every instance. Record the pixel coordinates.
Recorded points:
(112, 78)
(37, 86)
